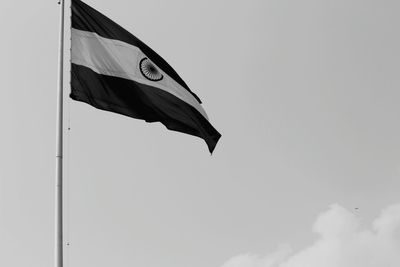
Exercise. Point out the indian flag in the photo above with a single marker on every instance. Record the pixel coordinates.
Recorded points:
(113, 70)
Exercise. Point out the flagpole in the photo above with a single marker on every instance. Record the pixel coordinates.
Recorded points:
(59, 148)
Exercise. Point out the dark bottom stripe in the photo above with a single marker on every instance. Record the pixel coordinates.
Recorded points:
(140, 101)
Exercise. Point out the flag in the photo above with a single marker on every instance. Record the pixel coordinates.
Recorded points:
(113, 70)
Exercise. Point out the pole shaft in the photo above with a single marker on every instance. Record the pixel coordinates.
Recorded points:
(59, 148)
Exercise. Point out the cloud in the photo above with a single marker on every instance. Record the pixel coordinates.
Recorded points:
(341, 242)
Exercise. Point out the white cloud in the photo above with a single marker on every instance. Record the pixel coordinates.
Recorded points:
(341, 243)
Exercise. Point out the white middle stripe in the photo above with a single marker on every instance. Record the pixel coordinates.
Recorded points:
(116, 58)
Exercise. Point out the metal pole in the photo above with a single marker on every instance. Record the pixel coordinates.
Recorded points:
(59, 148)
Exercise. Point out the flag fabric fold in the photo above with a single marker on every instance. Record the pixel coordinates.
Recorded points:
(113, 70)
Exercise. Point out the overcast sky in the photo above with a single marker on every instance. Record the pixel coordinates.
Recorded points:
(306, 97)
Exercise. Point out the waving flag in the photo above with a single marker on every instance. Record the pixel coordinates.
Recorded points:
(114, 71)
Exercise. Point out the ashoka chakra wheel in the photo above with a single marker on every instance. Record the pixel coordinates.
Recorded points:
(149, 70)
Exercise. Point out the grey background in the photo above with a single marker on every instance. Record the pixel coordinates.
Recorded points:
(305, 94)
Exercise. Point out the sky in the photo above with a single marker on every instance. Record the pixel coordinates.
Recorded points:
(305, 95)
